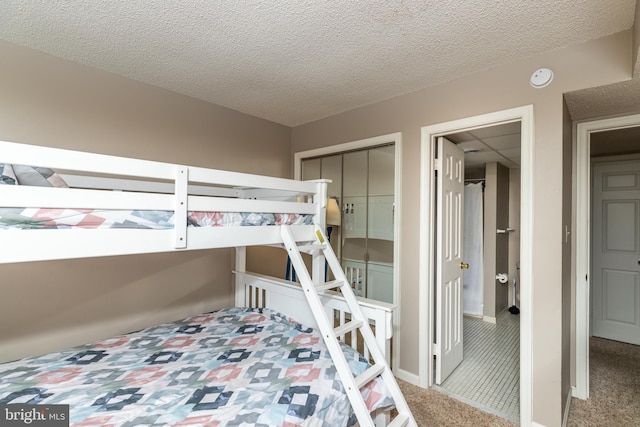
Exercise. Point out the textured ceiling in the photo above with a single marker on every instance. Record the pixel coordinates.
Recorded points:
(295, 61)
(609, 100)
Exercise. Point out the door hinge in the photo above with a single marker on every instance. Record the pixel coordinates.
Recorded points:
(435, 349)
(437, 164)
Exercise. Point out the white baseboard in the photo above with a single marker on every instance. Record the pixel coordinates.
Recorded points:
(575, 393)
(489, 319)
(494, 320)
(408, 377)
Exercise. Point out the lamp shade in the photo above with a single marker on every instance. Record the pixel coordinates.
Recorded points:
(333, 212)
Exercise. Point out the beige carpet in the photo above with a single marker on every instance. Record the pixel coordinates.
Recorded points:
(614, 401)
(614, 382)
(432, 408)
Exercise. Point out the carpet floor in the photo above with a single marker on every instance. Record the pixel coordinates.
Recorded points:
(432, 408)
(614, 383)
(614, 401)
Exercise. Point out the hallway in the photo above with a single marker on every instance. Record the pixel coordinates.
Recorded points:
(614, 386)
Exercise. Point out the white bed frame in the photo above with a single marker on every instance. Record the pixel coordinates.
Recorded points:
(259, 291)
(109, 182)
(148, 185)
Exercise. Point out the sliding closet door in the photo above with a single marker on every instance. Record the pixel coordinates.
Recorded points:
(354, 224)
(332, 169)
(380, 223)
(311, 169)
(363, 186)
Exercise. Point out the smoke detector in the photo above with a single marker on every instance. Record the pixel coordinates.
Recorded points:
(541, 78)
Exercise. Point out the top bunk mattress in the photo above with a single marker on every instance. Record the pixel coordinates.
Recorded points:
(43, 218)
(56, 218)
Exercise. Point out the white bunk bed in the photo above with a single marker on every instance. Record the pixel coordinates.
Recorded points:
(35, 223)
(146, 186)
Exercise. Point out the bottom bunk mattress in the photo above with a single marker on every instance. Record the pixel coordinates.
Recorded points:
(232, 367)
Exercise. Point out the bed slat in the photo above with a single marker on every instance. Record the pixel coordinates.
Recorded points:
(287, 297)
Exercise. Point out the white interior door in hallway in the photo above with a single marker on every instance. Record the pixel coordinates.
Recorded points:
(616, 251)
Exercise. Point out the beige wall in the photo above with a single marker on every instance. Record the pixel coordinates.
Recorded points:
(514, 236)
(502, 240)
(496, 246)
(53, 102)
(48, 101)
(595, 63)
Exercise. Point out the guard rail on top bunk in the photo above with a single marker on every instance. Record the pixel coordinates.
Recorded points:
(105, 182)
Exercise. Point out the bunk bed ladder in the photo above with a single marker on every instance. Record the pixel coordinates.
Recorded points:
(358, 322)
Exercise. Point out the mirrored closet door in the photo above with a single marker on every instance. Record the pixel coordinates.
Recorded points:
(362, 234)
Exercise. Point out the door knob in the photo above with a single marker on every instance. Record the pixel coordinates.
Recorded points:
(464, 265)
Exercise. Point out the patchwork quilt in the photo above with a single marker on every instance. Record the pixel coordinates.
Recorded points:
(29, 175)
(44, 218)
(233, 367)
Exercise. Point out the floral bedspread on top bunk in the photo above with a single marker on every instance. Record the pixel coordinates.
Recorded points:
(231, 367)
(44, 218)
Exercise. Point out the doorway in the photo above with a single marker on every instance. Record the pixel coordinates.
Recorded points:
(615, 254)
(485, 373)
(588, 134)
(428, 253)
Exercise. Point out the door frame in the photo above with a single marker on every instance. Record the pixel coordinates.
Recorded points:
(392, 138)
(427, 244)
(583, 241)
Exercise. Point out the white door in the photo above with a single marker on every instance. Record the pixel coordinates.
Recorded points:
(616, 251)
(449, 220)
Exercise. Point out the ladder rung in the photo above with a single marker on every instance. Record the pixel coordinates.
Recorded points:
(312, 247)
(329, 285)
(332, 338)
(368, 375)
(400, 421)
(347, 327)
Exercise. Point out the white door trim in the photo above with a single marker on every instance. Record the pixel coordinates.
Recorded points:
(427, 243)
(583, 240)
(396, 139)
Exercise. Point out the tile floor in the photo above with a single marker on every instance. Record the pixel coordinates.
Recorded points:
(489, 376)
